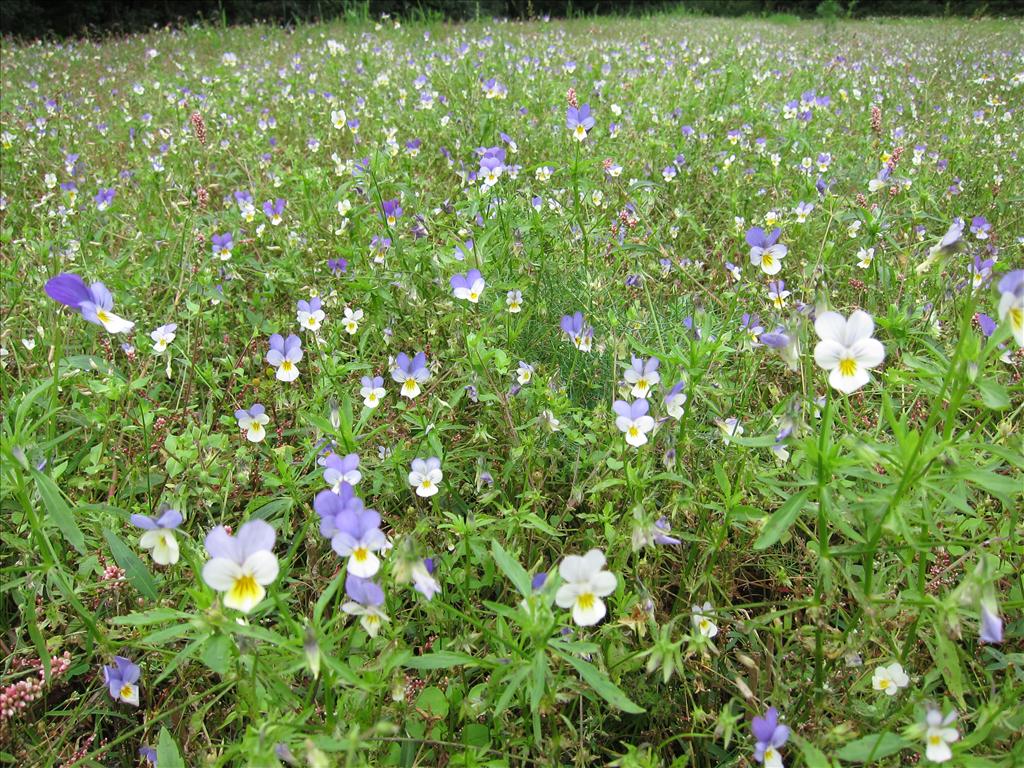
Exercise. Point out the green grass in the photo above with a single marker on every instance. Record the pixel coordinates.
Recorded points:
(893, 519)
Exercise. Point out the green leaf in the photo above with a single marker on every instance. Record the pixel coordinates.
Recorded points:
(813, 756)
(59, 511)
(442, 660)
(948, 662)
(873, 747)
(167, 754)
(513, 571)
(217, 654)
(602, 686)
(134, 569)
(993, 394)
(152, 616)
(432, 700)
(781, 520)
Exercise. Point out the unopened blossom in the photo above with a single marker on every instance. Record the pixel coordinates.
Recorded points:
(633, 421)
(469, 286)
(309, 314)
(341, 469)
(254, 422)
(410, 373)
(241, 566)
(580, 334)
(785, 344)
(769, 736)
(122, 679)
(351, 320)
(584, 583)
(642, 375)
(766, 251)
(700, 617)
(94, 303)
(847, 349)
(939, 735)
(365, 600)
(372, 390)
(890, 679)
(284, 355)
(1011, 303)
(163, 336)
(425, 476)
(991, 630)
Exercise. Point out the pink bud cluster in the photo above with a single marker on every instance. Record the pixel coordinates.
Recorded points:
(17, 696)
(571, 97)
(876, 118)
(199, 127)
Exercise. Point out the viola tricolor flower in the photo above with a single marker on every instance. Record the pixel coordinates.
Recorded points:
(584, 583)
(274, 210)
(104, 198)
(642, 375)
(890, 679)
(769, 737)
(222, 245)
(122, 678)
(939, 735)
(847, 350)
(341, 469)
(423, 581)
(1011, 303)
(524, 374)
(469, 286)
(309, 314)
(284, 355)
(580, 334)
(514, 301)
(94, 303)
(632, 420)
(253, 421)
(159, 535)
(425, 476)
(579, 121)
(410, 373)
(700, 617)
(354, 531)
(675, 399)
(163, 336)
(365, 601)
(372, 390)
(351, 321)
(766, 251)
(241, 566)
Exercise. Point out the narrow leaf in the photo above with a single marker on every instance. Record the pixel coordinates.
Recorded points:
(134, 569)
(59, 511)
(781, 520)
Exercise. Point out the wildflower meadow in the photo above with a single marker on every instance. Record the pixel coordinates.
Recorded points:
(630, 392)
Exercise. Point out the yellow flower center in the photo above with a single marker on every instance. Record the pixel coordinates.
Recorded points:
(255, 427)
(372, 397)
(704, 625)
(360, 554)
(473, 295)
(286, 365)
(767, 259)
(311, 321)
(245, 589)
(883, 683)
(126, 691)
(847, 366)
(426, 483)
(642, 384)
(586, 601)
(103, 316)
(934, 740)
(1017, 317)
(410, 385)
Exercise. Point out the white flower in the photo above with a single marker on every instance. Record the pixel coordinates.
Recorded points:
(370, 616)
(371, 392)
(254, 425)
(549, 420)
(939, 736)
(730, 427)
(163, 336)
(242, 565)
(701, 622)
(847, 349)
(633, 421)
(890, 679)
(586, 582)
(514, 300)
(865, 256)
(425, 476)
(351, 321)
(310, 319)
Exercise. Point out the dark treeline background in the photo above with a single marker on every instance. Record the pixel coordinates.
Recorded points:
(36, 18)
